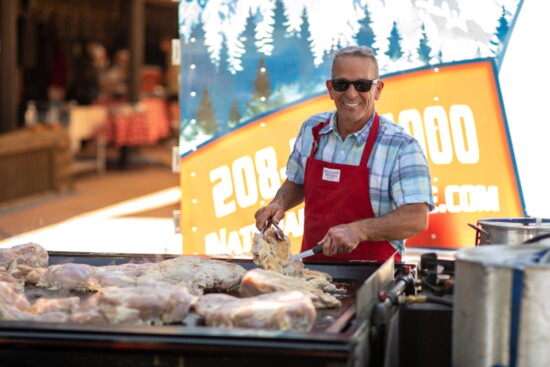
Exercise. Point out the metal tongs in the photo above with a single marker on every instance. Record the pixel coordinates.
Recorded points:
(278, 231)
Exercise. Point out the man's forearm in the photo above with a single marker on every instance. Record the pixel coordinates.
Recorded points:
(400, 224)
(289, 195)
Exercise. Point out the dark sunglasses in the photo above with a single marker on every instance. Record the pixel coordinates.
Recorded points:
(361, 85)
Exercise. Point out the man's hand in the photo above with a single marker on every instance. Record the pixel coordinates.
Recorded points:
(288, 196)
(341, 239)
(402, 223)
(272, 211)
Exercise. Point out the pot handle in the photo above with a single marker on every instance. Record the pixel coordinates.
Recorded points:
(537, 238)
(479, 230)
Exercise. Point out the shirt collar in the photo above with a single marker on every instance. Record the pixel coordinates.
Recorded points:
(360, 135)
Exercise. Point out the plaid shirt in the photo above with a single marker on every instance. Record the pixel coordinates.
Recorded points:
(399, 172)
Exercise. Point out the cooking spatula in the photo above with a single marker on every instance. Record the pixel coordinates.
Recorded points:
(310, 252)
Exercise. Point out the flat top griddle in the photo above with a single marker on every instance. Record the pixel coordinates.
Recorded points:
(331, 339)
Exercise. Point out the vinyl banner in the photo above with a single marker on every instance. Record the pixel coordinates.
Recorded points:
(455, 113)
(253, 71)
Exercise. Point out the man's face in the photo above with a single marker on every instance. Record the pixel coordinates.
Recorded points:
(354, 108)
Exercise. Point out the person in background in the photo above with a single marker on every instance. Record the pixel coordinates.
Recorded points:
(115, 81)
(364, 181)
(91, 63)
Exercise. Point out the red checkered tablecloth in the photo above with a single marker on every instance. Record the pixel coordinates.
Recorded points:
(144, 124)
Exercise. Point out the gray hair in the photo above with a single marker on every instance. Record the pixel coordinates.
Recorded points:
(360, 51)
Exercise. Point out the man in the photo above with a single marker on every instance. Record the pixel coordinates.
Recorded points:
(364, 180)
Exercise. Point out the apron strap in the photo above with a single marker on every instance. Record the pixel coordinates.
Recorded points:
(316, 137)
(370, 141)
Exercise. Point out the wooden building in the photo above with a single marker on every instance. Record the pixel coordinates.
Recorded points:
(44, 43)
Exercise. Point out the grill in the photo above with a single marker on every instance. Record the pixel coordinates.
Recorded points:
(338, 338)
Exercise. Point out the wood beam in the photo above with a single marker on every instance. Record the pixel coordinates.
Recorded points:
(137, 48)
(8, 66)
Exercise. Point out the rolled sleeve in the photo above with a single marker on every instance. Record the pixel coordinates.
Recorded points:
(410, 181)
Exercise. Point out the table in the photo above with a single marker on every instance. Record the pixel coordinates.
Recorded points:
(143, 124)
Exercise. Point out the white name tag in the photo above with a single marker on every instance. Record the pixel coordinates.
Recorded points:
(330, 174)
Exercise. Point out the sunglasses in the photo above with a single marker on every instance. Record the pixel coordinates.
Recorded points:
(361, 85)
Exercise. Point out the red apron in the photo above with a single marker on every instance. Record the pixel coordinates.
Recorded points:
(336, 194)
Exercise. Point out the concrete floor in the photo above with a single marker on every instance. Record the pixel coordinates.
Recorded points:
(122, 211)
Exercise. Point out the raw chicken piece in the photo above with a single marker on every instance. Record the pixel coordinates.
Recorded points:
(19, 260)
(34, 275)
(321, 280)
(145, 304)
(67, 305)
(271, 253)
(13, 304)
(294, 268)
(260, 281)
(193, 272)
(123, 275)
(70, 276)
(89, 316)
(53, 316)
(54, 309)
(197, 274)
(18, 283)
(291, 310)
(87, 277)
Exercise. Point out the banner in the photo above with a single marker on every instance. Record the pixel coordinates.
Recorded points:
(252, 72)
(454, 112)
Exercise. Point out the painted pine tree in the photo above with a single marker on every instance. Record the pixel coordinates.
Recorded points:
(500, 35)
(259, 104)
(195, 63)
(366, 36)
(282, 63)
(394, 51)
(249, 61)
(307, 75)
(205, 114)
(424, 50)
(234, 115)
(222, 85)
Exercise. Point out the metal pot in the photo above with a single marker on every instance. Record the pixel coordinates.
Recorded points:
(509, 231)
(500, 308)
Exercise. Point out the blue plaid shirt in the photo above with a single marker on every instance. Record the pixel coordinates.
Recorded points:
(399, 172)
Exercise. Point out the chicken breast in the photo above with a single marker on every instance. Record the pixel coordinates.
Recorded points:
(286, 310)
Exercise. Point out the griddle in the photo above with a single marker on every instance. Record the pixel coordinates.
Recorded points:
(337, 338)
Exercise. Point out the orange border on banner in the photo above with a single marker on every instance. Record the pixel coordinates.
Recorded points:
(455, 111)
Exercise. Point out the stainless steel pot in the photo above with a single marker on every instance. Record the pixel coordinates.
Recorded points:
(500, 308)
(509, 231)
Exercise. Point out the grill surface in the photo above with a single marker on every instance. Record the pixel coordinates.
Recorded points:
(332, 340)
